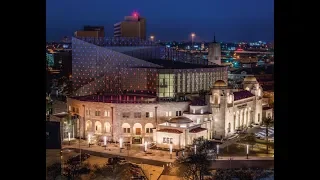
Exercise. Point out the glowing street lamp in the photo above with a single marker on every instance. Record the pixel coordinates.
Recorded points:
(217, 151)
(120, 141)
(170, 151)
(105, 142)
(247, 151)
(69, 134)
(89, 140)
(152, 38)
(192, 36)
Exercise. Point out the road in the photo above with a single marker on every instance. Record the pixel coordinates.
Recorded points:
(224, 162)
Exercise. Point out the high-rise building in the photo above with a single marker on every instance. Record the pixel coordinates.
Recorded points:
(132, 26)
(214, 52)
(90, 31)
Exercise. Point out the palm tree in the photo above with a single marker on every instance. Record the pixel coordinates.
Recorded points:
(267, 122)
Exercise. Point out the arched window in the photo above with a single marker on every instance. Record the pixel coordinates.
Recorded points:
(107, 127)
(88, 125)
(216, 99)
(98, 127)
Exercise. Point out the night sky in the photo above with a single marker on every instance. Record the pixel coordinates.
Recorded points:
(231, 20)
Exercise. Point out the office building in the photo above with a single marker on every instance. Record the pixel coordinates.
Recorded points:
(90, 31)
(132, 27)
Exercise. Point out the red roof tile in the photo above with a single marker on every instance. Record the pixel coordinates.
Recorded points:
(242, 95)
(266, 108)
(197, 129)
(170, 131)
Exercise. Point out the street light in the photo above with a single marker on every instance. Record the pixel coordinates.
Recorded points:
(105, 142)
(69, 134)
(152, 37)
(217, 151)
(170, 151)
(247, 151)
(89, 139)
(120, 141)
(195, 149)
(192, 36)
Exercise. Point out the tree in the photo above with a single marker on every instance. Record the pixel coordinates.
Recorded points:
(196, 165)
(267, 122)
(111, 172)
(74, 169)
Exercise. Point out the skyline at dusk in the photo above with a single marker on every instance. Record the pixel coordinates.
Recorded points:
(230, 20)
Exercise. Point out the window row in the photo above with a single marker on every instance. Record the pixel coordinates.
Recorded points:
(137, 114)
(138, 130)
(169, 113)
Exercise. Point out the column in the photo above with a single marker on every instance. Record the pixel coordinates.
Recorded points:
(239, 124)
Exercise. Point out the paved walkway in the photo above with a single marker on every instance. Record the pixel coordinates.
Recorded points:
(157, 157)
(154, 171)
(135, 152)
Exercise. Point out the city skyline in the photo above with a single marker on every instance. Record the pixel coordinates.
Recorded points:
(252, 22)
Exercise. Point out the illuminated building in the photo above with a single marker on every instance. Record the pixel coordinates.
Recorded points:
(50, 59)
(114, 67)
(139, 118)
(90, 31)
(128, 88)
(132, 26)
(214, 52)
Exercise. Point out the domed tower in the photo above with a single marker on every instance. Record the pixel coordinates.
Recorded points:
(251, 84)
(220, 98)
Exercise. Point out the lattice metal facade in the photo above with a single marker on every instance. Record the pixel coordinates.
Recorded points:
(116, 69)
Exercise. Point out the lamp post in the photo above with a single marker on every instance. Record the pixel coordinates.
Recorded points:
(105, 142)
(217, 151)
(170, 151)
(195, 149)
(145, 146)
(247, 151)
(192, 36)
(89, 139)
(69, 134)
(120, 144)
(152, 38)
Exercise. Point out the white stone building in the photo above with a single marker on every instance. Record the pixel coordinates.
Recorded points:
(139, 118)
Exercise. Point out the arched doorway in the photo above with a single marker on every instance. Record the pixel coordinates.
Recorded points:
(89, 125)
(97, 127)
(107, 127)
(126, 130)
(137, 139)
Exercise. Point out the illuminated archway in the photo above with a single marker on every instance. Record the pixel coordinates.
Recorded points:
(107, 127)
(88, 125)
(97, 127)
